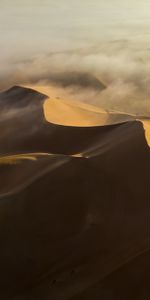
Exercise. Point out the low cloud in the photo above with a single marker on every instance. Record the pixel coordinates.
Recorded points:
(114, 79)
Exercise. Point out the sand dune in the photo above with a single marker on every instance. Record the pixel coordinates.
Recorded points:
(74, 203)
(70, 113)
(73, 113)
(146, 125)
(67, 113)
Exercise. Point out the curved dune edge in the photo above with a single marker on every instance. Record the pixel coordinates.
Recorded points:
(43, 163)
(18, 158)
(63, 112)
(78, 114)
(146, 126)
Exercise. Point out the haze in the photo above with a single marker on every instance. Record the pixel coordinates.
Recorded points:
(108, 39)
(35, 26)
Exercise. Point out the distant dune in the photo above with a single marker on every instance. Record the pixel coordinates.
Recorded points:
(77, 80)
(74, 200)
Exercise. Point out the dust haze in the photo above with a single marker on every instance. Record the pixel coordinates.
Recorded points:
(97, 53)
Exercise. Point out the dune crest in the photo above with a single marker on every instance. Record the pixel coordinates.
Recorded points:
(74, 113)
(78, 114)
(17, 158)
(66, 112)
(58, 111)
(146, 126)
(70, 113)
(71, 198)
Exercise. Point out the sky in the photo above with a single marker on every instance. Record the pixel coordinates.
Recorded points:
(109, 39)
(32, 26)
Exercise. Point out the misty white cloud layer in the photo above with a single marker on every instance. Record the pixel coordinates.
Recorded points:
(41, 39)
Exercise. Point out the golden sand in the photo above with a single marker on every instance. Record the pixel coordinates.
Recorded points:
(14, 159)
(146, 125)
(73, 113)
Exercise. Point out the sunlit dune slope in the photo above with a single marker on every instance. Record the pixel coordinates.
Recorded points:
(30, 109)
(39, 116)
(73, 113)
(69, 113)
(63, 112)
(146, 126)
(15, 159)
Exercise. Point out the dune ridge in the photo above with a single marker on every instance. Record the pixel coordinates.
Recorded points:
(74, 203)
(71, 113)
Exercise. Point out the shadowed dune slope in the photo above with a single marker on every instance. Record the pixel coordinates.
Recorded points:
(75, 228)
(20, 97)
(24, 128)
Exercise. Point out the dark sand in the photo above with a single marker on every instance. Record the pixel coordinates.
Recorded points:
(73, 228)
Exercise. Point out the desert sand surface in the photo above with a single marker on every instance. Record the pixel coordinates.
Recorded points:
(74, 200)
(146, 125)
(73, 113)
